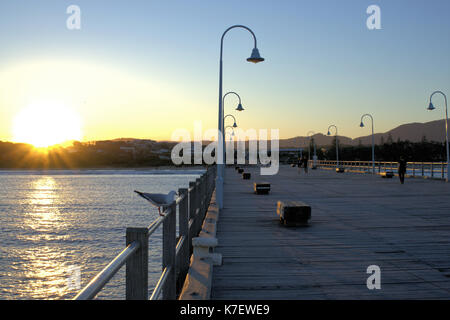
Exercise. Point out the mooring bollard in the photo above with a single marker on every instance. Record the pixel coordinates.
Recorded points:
(261, 187)
(293, 213)
(246, 176)
(387, 174)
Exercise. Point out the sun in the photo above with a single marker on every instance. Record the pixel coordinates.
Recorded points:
(46, 124)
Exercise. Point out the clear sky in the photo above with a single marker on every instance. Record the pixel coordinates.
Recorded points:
(145, 68)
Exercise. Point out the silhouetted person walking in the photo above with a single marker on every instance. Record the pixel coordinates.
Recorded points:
(300, 164)
(305, 164)
(402, 170)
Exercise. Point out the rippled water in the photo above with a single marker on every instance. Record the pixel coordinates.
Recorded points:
(53, 220)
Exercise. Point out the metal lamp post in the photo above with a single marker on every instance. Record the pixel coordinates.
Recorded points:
(232, 131)
(238, 108)
(234, 119)
(431, 107)
(234, 126)
(309, 145)
(255, 58)
(337, 143)
(373, 139)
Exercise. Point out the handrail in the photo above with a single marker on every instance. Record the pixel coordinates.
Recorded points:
(102, 278)
(192, 203)
(425, 169)
(160, 285)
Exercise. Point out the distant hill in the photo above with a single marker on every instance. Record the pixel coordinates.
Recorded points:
(414, 132)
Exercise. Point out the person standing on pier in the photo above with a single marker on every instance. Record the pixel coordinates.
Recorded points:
(300, 164)
(402, 169)
(305, 164)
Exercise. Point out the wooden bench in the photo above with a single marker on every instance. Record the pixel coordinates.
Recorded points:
(261, 187)
(340, 170)
(293, 213)
(387, 174)
(246, 175)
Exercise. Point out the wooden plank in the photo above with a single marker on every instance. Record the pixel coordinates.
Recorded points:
(358, 221)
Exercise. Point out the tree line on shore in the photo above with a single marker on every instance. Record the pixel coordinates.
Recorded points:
(111, 155)
(80, 155)
(423, 151)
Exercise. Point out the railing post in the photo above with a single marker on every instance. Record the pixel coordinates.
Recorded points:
(183, 226)
(198, 203)
(432, 169)
(423, 172)
(442, 170)
(169, 251)
(192, 201)
(204, 196)
(137, 265)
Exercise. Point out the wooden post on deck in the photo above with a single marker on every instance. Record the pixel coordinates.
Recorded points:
(183, 225)
(169, 252)
(137, 266)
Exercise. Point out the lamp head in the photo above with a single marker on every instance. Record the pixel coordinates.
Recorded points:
(239, 107)
(234, 125)
(328, 133)
(361, 125)
(431, 107)
(255, 57)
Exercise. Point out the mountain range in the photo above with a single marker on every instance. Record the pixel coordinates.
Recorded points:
(414, 132)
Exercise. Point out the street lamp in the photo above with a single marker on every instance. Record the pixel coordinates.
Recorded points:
(373, 140)
(309, 148)
(431, 107)
(234, 125)
(230, 115)
(239, 107)
(337, 143)
(255, 58)
(232, 131)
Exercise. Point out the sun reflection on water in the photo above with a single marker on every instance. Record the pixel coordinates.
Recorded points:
(44, 262)
(44, 213)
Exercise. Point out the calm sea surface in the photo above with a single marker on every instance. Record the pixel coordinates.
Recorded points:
(56, 219)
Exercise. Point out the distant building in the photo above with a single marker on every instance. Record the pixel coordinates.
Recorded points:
(160, 151)
(130, 149)
(290, 155)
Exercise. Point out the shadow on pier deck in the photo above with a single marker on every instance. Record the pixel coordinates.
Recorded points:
(357, 221)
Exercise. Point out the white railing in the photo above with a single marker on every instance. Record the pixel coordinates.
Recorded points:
(176, 251)
(436, 170)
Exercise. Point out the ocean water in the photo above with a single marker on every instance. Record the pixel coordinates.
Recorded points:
(52, 220)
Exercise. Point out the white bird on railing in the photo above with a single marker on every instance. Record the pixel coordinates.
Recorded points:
(158, 199)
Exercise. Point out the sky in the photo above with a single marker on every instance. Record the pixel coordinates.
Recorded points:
(144, 69)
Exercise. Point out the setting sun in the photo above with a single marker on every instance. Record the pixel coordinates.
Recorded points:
(46, 124)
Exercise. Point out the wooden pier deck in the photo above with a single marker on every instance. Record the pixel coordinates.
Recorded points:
(357, 220)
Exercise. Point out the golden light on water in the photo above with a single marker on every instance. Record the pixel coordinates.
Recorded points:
(44, 213)
(45, 269)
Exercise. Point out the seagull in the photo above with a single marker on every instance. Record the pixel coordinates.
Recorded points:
(158, 199)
